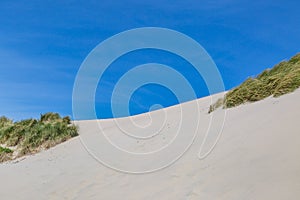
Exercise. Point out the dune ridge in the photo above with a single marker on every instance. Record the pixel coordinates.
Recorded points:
(257, 157)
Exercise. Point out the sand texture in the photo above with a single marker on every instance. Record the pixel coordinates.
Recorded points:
(256, 158)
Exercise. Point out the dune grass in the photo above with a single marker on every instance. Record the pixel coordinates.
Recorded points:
(5, 154)
(281, 79)
(217, 104)
(32, 135)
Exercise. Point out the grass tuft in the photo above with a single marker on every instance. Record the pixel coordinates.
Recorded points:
(216, 105)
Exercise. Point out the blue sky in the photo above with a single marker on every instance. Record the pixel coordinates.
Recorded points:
(43, 43)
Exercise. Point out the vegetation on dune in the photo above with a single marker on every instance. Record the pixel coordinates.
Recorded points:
(216, 105)
(281, 79)
(32, 135)
(5, 154)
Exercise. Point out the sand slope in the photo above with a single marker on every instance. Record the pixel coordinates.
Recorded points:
(257, 157)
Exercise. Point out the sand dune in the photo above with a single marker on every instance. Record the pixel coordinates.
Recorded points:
(257, 157)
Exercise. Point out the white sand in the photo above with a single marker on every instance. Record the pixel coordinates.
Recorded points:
(257, 157)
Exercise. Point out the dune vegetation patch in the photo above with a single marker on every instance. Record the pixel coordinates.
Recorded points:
(283, 78)
(33, 135)
(5, 154)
